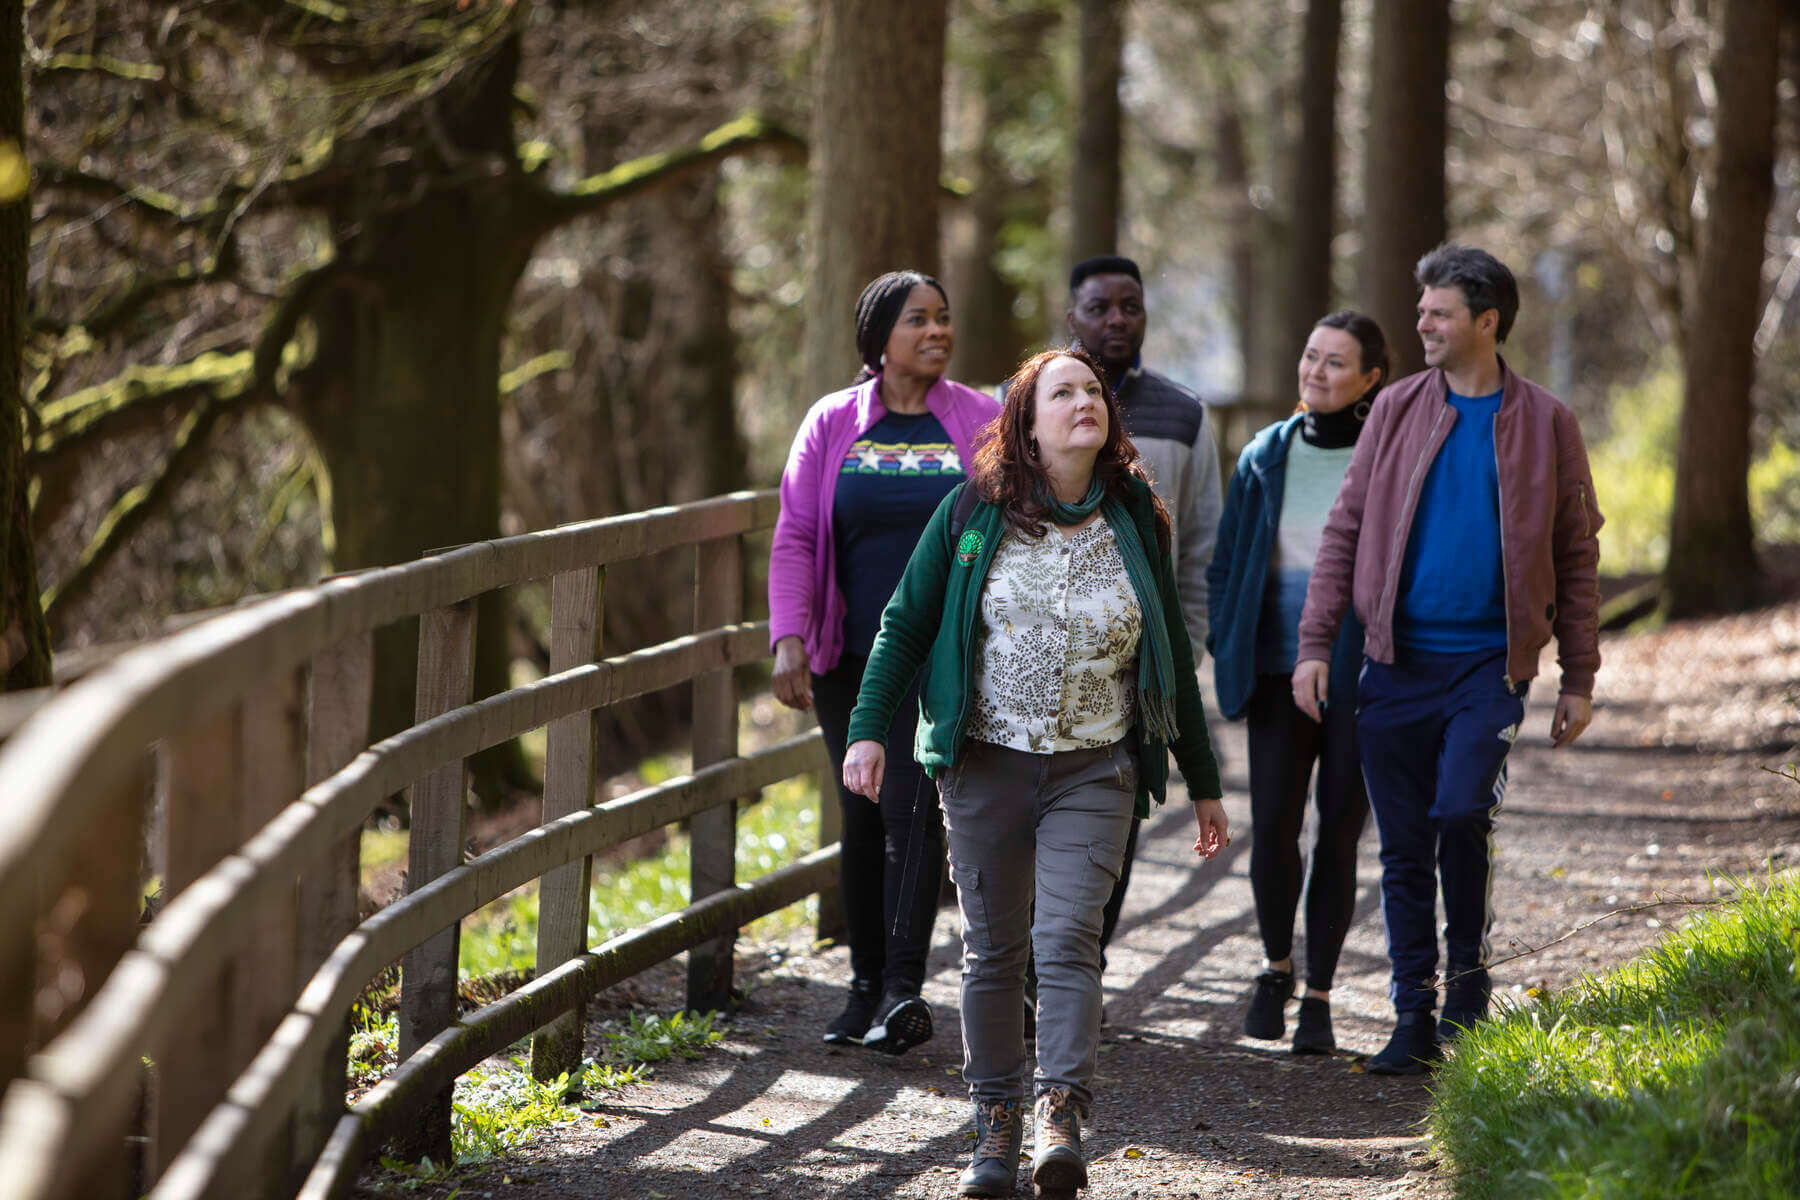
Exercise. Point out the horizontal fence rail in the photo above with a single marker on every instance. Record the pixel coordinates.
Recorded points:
(260, 923)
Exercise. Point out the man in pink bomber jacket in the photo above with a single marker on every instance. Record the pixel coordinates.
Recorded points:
(1465, 536)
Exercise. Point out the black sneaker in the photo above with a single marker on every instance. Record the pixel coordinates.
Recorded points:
(1265, 1020)
(1466, 1002)
(1312, 1032)
(902, 1023)
(848, 1028)
(1412, 1050)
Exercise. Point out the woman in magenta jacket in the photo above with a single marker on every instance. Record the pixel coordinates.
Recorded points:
(867, 469)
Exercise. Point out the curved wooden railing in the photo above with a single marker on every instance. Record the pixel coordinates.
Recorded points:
(205, 1053)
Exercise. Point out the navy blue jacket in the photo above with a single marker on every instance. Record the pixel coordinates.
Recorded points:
(1239, 571)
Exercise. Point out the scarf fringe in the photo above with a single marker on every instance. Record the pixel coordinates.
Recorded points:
(1159, 717)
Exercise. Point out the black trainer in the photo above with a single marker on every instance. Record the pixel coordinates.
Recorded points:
(1265, 1020)
(1312, 1032)
(993, 1168)
(848, 1027)
(901, 1023)
(1412, 1050)
(1466, 1001)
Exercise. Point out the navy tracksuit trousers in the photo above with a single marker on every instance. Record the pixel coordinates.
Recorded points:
(1435, 730)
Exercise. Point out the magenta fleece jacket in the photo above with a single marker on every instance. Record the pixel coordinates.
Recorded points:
(803, 594)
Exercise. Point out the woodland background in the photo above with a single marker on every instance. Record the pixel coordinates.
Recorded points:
(302, 287)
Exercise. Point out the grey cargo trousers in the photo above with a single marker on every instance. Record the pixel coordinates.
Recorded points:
(1048, 828)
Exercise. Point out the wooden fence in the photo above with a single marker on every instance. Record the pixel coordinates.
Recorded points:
(203, 1053)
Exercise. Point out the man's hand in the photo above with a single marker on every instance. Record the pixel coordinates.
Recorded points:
(793, 674)
(1209, 815)
(1572, 716)
(864, 764)
(1312, 677)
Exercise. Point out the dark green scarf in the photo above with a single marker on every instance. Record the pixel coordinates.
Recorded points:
(1156, 661)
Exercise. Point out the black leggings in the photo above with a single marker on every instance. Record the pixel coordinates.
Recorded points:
(1284, 744)
(877, 838)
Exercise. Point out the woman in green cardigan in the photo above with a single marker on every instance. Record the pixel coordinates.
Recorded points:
(1057, 677)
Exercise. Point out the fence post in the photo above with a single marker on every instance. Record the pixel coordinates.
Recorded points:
(718, 600)
(337, 729)
(91, 922)
(200, 827)
(576, 601)
(436, 802)
(271, 775)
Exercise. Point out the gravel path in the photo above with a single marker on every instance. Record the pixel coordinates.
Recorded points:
(1668, 785)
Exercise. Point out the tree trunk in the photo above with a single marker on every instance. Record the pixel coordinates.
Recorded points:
(1712, 564)
(988, 341)
(990, 336)
(403, 398)
(876, 160)
(1240, 220)
(1403, 184)
(1314, 190)
(1094, 175)
(24, 638)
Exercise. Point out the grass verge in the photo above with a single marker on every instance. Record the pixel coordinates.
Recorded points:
(495, 1111)
(1677, 1074)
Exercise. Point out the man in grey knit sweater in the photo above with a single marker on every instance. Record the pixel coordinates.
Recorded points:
(1168, 423)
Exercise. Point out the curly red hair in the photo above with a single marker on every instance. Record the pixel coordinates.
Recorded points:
(1006, 472)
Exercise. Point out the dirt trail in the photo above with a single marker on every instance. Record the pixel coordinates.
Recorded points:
(1667, 785)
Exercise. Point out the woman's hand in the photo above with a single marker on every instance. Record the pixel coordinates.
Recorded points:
(1312, 682)
(793, 673)
(864, 763)
(1209, 815)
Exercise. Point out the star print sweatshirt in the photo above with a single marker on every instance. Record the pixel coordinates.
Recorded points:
(804, 597)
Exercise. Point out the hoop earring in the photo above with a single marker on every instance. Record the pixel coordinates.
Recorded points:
(1362, 409)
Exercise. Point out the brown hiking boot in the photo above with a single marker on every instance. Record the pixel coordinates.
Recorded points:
(993, 1169)
(1056, 1161)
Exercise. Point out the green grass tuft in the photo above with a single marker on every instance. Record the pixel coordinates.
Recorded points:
(1676, 1075)
(655, 1039)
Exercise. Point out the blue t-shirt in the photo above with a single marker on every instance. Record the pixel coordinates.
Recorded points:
(1452, 587)
(890, 482)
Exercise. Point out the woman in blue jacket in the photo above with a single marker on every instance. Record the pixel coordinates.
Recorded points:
(1275, 509)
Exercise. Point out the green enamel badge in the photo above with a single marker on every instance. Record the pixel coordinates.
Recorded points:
(969, 548)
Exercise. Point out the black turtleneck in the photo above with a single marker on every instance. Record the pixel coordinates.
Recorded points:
(1333, 430)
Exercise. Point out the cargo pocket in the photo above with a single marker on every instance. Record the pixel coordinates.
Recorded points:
(973, 905)
(1084, 896)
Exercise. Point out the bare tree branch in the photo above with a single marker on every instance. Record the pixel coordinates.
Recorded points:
(137, 506)
(105, 64)
(147, 397)
(1661, 901)
(158, 205)
(639, 175)
(107, 316)
(125, 402)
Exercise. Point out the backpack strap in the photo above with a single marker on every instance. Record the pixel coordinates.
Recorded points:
(966, 500)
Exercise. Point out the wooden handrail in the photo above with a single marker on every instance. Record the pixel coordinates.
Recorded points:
(81, 754)
(72, 753)
(262, 1096)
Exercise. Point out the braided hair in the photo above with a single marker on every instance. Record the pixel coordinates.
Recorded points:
(878, 309)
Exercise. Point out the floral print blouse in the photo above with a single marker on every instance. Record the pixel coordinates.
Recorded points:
(1056, 658)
